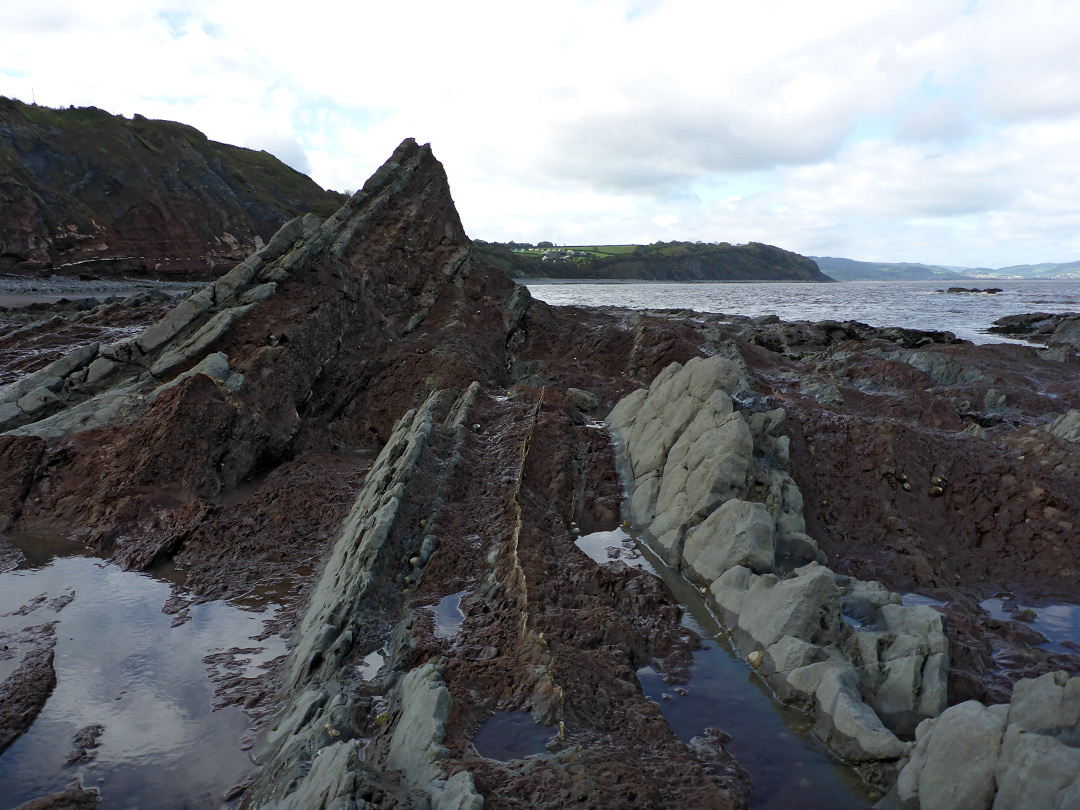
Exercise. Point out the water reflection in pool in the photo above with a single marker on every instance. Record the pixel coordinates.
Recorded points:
(122, 664)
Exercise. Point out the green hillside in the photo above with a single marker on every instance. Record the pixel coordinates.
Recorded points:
(661, 261)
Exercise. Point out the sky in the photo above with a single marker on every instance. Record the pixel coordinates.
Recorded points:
(938, 131)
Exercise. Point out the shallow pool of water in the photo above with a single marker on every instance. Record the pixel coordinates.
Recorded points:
(917, 600)
(1059, 623)
(448, 615)
(788, 766)
(122, 664)
(511, 735)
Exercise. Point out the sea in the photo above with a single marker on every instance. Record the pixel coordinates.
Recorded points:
(922, 305)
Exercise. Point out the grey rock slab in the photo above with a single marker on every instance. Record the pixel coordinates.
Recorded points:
(738, 533)
(172, 323)
(1033, 771)
(198, 342)
(416, 747)
(215, 366)
(730, 589)
(1049, 704)
(260, 293)
(848, 725)
(60, 368)
(791, 653)
(283, 240)
(115, 406)
(1066, 426)
(37, 400)
(643, 501)
(626, 410)
(459, 794)
(806, 606)
(960, 758)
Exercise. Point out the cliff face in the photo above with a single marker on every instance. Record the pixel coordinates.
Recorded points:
(85, 192)
(675, 261)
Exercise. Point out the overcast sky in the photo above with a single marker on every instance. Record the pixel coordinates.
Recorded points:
(923, 130)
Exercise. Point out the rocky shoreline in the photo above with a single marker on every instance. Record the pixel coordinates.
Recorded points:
(364, 398)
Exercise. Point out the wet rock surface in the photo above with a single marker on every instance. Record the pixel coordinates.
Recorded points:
(24, 692)
(363, 419)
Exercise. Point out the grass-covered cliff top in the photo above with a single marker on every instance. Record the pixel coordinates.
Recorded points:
(660, 261)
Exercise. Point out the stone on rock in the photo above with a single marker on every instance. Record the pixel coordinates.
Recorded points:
(583, 400)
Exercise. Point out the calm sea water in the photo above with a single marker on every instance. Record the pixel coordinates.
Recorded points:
(911, 304)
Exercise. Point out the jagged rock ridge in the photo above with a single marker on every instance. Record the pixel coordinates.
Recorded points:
(299, 363)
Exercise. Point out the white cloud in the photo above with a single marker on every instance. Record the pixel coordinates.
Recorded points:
(938, 131)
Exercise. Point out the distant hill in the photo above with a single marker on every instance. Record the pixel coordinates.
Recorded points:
(852, 270)
(662, 261)
(86, 192)
(1062, 270)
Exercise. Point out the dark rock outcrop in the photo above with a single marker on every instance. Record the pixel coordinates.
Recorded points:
(85, 192)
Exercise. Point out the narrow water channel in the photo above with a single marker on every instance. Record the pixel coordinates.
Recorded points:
(123, 666)
(788, 766)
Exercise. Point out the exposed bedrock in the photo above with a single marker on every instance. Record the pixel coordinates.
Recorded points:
(87, 192)
(707, 465)
(1022, 754)
(347, 396)
(469, 500)
(315, 344)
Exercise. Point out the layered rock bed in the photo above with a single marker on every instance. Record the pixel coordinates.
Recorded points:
(367, 416)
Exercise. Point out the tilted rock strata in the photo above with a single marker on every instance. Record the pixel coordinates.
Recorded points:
(709, 483)
(308, 762)
(236, 405)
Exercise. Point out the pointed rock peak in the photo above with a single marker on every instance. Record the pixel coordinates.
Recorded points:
(404, 206)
